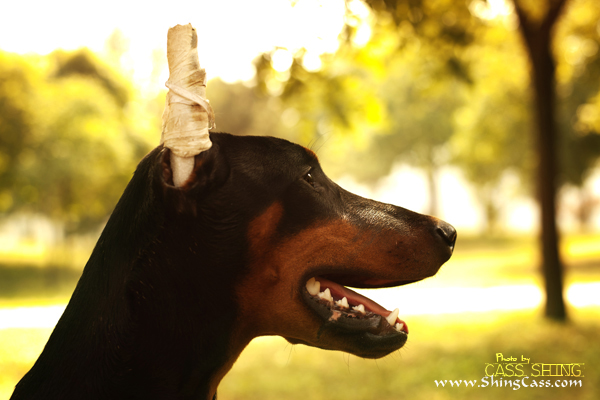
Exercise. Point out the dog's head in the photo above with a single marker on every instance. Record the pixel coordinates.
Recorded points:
(258, 241)
(290, 241)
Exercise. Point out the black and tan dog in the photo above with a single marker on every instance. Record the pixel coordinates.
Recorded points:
(258, 242)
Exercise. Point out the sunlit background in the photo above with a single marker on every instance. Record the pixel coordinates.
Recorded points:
(428, 108)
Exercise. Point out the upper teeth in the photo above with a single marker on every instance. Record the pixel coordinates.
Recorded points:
(343, 303)
(313, 286)
(360, 308)
(326, 295)
(392, 317)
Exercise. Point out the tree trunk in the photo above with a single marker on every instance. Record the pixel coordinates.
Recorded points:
(585, 209)
(491, 216)
(538, 40)
(432, 188)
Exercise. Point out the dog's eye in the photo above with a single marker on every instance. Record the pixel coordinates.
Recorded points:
(309, 179)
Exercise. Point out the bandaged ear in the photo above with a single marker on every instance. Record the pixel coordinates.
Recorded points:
(188, 115)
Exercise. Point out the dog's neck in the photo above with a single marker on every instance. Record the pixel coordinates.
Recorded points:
(143, 323)
(162, 338)
(185, 332)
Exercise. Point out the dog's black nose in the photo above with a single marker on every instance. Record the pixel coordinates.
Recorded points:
(447, 232)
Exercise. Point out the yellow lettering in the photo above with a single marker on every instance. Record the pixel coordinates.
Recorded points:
(576, 369)
(500, 370)
(519, 369)
(509, 370)
(547, 370)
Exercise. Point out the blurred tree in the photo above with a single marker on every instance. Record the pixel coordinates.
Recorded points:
(78, 136)
(84, 63)
(428, 77)
(340, 96)
(496, 113)
(536, 26)
(488, 143)
(393, 97)
(445, 25)
(578, 75)
(17, 84)
(241, 110)
(420, 104)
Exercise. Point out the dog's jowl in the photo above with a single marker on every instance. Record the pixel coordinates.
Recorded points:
(257, 242)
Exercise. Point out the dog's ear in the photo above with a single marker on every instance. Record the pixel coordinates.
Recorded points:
(211, 170)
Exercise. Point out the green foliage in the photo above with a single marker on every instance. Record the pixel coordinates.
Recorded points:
(492, 129)
(445, 25)
(391, 99)
(73, 135)
(340, 97)
(83, 63)
(444, 82)
(384, 98)
(438, 82)
(578, 40)
(241, 110)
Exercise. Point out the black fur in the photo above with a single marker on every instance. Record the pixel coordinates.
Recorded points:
(153, 313)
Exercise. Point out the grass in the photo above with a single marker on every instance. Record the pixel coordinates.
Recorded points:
(515, 260)
(19, 348)
(449, 347)
(440, 347)
(31, 285)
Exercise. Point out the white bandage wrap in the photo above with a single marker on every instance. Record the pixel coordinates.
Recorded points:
(188, 115)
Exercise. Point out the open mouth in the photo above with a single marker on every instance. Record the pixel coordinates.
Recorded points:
(350, 310)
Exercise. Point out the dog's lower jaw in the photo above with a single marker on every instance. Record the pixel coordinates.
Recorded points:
(371, 338)
(354, 346)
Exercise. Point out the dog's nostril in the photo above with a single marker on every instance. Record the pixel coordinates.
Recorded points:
(447, 232)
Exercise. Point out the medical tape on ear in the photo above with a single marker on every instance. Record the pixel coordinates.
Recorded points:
(188, 115)
(186, 122)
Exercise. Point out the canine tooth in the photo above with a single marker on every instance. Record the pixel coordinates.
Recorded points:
(392, 317)
(360, 308)
(313, 286)
(343, 303)
(399, 327)
(326, 295)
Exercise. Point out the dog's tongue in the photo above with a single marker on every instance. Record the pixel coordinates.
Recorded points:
(338, 291)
